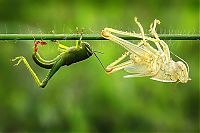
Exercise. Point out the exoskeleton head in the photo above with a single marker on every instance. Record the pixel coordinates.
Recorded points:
(182, 72)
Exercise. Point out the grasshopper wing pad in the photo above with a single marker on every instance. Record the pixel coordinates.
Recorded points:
(136, 75)
(136, 68)
(163, 77)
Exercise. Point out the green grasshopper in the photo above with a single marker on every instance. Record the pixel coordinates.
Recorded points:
(68, 56)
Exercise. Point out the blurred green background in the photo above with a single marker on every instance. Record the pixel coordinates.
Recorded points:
(82, 97)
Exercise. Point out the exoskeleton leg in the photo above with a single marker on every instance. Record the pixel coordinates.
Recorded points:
(147, 46)
(160, 42)
(141, 49)
(132, 48)
(114, 67)
(141, 30)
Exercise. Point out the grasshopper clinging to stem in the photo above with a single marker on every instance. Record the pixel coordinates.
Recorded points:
(68, 56)
(146, 60)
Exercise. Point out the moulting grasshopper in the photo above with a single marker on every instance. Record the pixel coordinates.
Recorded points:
(68, 56)
(145, 60)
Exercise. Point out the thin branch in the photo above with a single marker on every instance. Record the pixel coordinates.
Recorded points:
(90, 37)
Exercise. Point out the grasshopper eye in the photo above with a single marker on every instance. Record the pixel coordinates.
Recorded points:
(88, 47)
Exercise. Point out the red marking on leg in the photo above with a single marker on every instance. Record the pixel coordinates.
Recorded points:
(35, 49)
(37, 43)
(35, 46)
(43, 43)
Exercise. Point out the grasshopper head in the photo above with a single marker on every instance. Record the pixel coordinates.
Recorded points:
(182, 72)
(87, 47)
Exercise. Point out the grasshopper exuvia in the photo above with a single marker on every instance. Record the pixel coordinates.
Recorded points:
(145, 60)
(68, 56)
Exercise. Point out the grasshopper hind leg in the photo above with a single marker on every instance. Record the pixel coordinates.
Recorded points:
(23, 59)
(53, 70)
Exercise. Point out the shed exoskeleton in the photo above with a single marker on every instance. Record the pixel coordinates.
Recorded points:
(145, 60)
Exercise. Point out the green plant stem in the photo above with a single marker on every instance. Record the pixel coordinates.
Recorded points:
(90, 37)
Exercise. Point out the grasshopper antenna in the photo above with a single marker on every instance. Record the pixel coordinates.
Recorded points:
(99, 59)
(99, 52)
